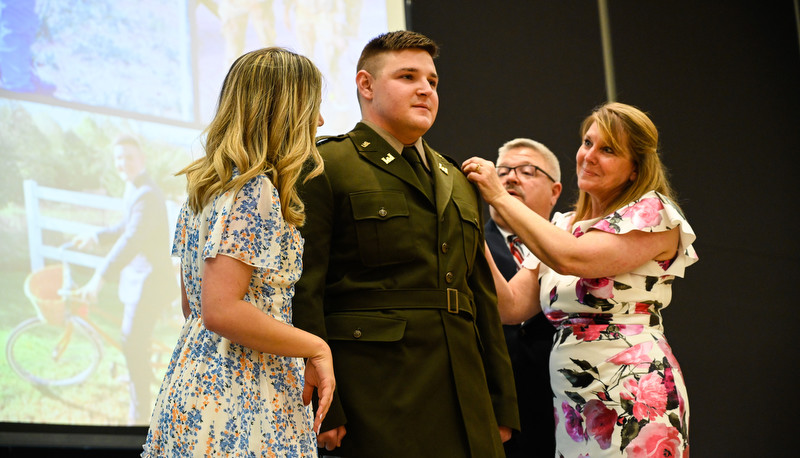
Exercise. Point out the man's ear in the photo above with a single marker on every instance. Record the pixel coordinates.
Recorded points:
(556, 189)
(364, 84)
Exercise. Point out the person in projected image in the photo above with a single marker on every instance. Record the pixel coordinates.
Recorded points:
(396, 279)
(602, 274)
(530, 172)
(237, 384)
(139, 260)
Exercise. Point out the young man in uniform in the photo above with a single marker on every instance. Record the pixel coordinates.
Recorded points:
(396, 280)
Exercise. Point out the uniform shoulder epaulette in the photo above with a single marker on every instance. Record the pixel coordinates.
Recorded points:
(327, 138)
(449, 159)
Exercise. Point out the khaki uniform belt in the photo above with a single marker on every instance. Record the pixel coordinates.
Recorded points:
(451, 300)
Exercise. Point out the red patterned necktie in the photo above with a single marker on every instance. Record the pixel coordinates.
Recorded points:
(515, 245)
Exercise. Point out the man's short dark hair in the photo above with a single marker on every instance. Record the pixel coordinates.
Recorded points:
(396, 41)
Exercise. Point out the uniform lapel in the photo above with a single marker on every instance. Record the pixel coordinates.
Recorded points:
(374, 149)
(442, 171)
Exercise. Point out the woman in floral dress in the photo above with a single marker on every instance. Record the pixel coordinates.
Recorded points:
(605, 274)
(237, 384)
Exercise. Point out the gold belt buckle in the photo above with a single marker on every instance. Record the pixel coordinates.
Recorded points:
(452, 300)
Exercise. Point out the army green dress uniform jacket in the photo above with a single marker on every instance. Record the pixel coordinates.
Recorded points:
(398, 284)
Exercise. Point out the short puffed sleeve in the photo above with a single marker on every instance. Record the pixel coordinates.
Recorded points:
(247, 226)
(653, 213)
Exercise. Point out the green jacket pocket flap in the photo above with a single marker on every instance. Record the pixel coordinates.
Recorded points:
(368, 328)
(379, 205)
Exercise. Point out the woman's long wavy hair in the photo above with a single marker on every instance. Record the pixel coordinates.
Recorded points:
(266, 121)
(630, 131)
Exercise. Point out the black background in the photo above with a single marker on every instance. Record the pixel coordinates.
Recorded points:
(721, 80)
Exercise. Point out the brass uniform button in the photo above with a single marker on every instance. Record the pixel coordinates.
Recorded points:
(357, 333)
(444, 247)
(382, 212)
(448, 277)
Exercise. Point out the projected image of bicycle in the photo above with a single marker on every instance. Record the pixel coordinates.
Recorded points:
(63, 344)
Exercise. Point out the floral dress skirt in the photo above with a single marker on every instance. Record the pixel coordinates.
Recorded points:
(219, 398)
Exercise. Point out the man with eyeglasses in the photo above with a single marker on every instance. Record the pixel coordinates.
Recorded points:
(530, 172)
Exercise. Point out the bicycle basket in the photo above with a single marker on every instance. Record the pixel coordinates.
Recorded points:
(41, 288)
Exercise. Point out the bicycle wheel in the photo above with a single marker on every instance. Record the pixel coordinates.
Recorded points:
(50, 355)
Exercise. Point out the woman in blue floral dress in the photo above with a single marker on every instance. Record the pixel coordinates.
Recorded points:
(605, 274)
(237, 384)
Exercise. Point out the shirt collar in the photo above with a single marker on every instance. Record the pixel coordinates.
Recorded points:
(507, 237)
(395, 143)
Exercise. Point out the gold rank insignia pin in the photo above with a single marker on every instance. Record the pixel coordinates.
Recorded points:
(388, 158)
(443, 169)
(365, 144)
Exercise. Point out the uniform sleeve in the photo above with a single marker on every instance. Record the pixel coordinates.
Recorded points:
(308, 304)
(498, 371)
(246, 226)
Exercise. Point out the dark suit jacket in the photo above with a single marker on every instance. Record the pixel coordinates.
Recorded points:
(398, 285)
(140, 256)
(529, 348)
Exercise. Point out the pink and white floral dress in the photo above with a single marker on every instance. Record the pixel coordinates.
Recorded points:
(618, 389)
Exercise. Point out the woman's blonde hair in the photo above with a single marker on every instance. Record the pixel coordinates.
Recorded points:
(266, 121)
(630, 131)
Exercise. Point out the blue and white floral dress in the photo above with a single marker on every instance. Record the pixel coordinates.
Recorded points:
(618, 388)
(219, 398)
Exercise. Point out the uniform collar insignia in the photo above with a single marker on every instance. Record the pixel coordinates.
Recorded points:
(365, 144)
(386, 159)
(443, 169)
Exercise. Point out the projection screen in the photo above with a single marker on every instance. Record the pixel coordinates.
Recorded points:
(75, 77)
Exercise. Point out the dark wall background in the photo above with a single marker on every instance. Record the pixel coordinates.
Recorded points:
(721, 80)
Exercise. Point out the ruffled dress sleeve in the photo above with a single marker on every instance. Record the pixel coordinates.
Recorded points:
(246, 226)
(653, 212)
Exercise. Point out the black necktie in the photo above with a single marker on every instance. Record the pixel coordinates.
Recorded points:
(410, 154)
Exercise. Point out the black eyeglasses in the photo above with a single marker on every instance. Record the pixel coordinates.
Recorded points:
(524, 171)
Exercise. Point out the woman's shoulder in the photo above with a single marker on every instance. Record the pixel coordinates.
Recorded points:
(252, 196)
(258, 188)
(261, 181)
(563, 220)
(649, 210)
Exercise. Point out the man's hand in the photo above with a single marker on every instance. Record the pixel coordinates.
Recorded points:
(505, 433)
(90, 290)
(329, 440)
(87, 240)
